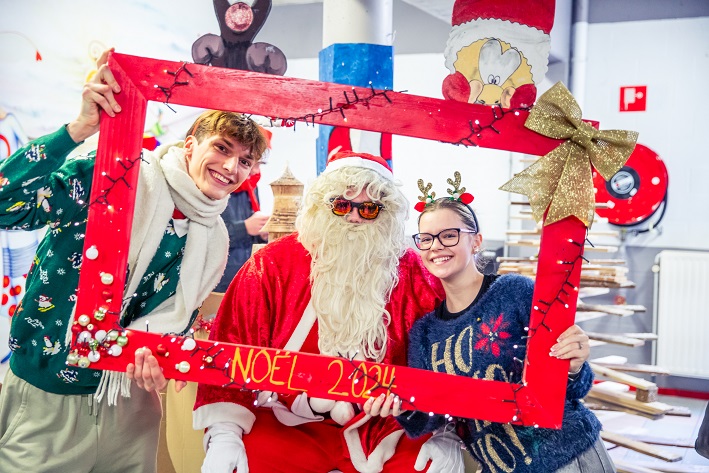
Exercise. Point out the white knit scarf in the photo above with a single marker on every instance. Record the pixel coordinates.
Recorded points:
(163, 185)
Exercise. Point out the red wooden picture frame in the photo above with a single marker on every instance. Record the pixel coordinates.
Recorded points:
(538, 400)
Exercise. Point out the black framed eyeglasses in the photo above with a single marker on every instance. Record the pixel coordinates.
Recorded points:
(448, 237)
(367, 210)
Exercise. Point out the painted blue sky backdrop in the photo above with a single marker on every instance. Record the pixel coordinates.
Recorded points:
(69, 33)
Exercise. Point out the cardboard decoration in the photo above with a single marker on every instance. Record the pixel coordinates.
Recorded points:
(497, 51)
(104, 344)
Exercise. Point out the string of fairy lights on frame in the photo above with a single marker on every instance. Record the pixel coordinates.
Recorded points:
(89, 344)
(475, 127)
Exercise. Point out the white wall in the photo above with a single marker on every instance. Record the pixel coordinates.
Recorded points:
(482, 170)
(45, 94)
(671, 57)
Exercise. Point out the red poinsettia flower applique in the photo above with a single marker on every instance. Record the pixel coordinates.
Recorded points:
(491, 337)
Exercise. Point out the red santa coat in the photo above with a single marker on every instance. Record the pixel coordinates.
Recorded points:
(264, 304)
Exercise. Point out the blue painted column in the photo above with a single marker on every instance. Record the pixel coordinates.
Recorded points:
(356, 51)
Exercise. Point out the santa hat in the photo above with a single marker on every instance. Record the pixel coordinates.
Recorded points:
(524, 25)
(266, 134)
(250, 183)
(360, 160)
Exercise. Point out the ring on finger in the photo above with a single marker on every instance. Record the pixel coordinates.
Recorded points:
(580, 346)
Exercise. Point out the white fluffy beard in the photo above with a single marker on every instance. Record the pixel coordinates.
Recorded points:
(354, 268)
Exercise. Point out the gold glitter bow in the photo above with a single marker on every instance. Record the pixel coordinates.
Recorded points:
(561, 180)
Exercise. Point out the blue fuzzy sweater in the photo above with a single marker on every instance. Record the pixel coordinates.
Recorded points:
(488, 332)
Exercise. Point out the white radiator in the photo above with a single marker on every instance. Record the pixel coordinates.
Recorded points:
(681, 314)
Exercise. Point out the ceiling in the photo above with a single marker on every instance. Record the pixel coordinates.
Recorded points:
(295, 26)
(440, 9)
(419, 27)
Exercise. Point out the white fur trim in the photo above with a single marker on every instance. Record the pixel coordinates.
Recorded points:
(220, 428)
(209, 414)
(342, 412)
(305, 324)
(374, 463)
(318, 404)
(299, 412)
(533, 43)
(359, 162)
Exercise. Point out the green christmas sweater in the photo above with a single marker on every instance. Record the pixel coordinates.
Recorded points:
(40, 187)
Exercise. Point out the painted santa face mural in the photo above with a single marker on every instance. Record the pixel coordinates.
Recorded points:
(497, 51)
(497, 74)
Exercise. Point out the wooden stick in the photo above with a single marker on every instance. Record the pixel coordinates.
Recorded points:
(617, 339)
(584, 283)
(597, 248)
(602, 268)
(586, 316)
(673, 468)
(610, 233)
(591, 277)
(667, 442)
(641, 447)
(599, 406)
(622, 378)
(627, 284)
(608, 261)
(591, 234)
(628, 400)
(645, 391)
(624, 467)
(608, 309)
(642, 335)
(635, 368)
(636, 308)
(590, 315)
(513, 259)
(676, 411)
(591, 292)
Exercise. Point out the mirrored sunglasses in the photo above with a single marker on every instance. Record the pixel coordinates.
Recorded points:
(367, 210)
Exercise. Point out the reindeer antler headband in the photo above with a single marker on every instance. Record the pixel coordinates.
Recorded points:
(456, 193)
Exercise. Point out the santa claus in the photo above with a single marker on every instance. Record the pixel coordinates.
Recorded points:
(344, 285)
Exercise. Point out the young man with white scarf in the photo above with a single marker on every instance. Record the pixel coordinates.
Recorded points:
(58, 417)
(344, 285)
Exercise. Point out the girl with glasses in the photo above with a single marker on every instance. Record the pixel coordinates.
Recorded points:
(479, 331)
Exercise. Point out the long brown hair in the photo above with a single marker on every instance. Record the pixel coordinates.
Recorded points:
(466, 214)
